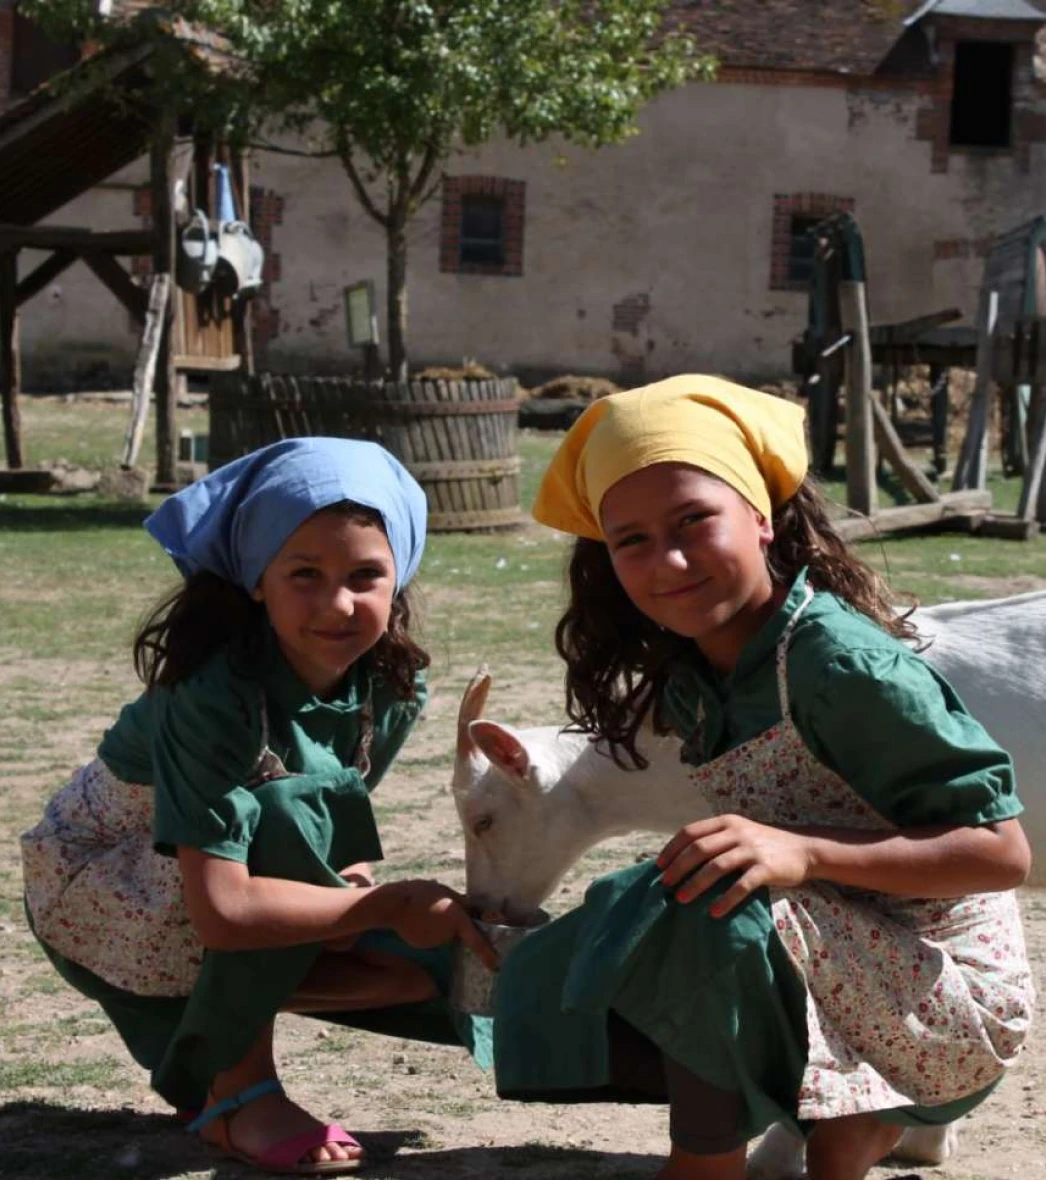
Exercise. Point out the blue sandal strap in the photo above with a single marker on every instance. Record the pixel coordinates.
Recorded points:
(234, 1102)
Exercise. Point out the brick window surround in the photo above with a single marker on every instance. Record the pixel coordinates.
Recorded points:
(512, 194)
(1027, 118)
(808, 206)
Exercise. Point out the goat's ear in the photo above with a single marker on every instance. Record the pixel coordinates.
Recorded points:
(473, 702)
(502, 746)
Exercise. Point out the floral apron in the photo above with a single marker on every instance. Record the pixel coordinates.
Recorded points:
(99, 894)
(813, 1003)
(907, 1000)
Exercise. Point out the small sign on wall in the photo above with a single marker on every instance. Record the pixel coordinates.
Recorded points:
(361, 321)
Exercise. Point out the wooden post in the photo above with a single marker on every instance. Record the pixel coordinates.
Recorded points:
(243, 335)
(10, 361)
(1033, 494)
(160, 153)
(940, 378)
(145, 365)
(860, 441)
(971, 469)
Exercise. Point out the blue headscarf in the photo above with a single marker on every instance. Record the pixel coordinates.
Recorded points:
(235, 520)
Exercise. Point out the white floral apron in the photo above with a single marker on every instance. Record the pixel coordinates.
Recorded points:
(908, 1000)
(98, 892)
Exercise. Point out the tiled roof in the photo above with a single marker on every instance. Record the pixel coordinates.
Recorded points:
(838, 36)
(987, 9)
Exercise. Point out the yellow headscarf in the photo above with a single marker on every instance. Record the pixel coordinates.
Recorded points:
(752, 441)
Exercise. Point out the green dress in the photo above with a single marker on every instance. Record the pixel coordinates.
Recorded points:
(241, 761)
(813, 1002)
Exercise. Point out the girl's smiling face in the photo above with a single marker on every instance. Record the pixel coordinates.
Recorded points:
(690, 554)
(328, 593)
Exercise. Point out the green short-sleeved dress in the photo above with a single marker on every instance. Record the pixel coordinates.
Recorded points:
(813, 1002)
(241, 761)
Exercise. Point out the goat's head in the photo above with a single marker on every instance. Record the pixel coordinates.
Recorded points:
(516, 833)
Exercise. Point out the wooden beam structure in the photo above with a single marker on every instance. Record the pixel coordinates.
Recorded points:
(10, 362)
(950, 508)
(861, 492)
(161, 167)
(119, 282)
(45, 273)
(145, 365)
(81, 241)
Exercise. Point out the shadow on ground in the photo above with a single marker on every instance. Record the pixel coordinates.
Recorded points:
(44, 1142)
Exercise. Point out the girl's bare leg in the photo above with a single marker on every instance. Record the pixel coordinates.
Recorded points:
(354, 980)
(269, 1119)
(337, 982)
(847, 1148)
(682, 1165)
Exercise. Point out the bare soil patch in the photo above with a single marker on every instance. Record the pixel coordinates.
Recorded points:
(73, 1104)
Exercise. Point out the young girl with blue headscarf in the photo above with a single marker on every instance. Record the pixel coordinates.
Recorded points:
(208, 868)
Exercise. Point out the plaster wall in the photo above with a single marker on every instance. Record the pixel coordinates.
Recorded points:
(644, 259)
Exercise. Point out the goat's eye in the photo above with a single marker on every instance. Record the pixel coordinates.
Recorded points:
(483, 824)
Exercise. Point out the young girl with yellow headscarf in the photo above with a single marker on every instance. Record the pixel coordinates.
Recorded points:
(836, 944)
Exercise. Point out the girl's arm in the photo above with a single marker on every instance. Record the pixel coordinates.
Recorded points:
(939, 861)
(231, 910)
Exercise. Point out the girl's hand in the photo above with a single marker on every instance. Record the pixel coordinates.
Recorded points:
(360, 875)
(429, 914)
(703, 852)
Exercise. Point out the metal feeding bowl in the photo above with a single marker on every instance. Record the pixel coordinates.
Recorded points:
(472, 984)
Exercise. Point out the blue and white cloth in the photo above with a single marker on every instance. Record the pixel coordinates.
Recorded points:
(235, 520)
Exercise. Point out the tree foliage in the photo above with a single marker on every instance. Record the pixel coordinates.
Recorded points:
(393, 87)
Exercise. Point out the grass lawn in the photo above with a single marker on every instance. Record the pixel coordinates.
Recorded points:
(78, 572)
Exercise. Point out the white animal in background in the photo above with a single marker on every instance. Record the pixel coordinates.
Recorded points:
(532, 801)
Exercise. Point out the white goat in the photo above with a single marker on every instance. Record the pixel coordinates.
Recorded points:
(532, 801)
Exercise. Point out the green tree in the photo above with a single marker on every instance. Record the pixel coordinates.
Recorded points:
(396, 86)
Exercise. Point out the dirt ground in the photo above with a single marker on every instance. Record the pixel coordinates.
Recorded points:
(73, 1104)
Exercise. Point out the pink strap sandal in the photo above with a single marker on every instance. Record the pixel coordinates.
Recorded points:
(283, 1158)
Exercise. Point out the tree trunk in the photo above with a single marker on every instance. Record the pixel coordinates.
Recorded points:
(396, 236)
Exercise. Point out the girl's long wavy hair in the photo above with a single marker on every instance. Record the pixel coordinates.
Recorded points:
(618, 659)
(206, 613)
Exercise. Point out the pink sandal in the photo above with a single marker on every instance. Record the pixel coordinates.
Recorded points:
(285, 1157)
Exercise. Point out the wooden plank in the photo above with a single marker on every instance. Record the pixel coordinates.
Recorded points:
(971, 469)
(46, 272)
(1035, 470)
(915, 483)
(82, 241)
(10, 359)
(242, 316)
(161, 168)
(940, 379)
(910, 517)
(206, 364)
(860, 441)
(145, 366)
(909, 330)
(119, 282)
(1007, 528)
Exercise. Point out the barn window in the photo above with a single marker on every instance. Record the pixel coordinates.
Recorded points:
(801, 245)
(482, 239)
(982, 94)
(481, 230)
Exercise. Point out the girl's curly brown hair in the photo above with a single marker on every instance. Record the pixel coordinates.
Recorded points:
(618, 660)
(206, 613)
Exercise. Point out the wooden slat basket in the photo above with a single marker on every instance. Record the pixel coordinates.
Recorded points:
(458, 439)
